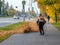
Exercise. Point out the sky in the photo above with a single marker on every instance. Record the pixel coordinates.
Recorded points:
(18, 3)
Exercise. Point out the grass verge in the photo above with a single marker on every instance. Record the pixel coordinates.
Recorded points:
(18, 28)
(2, 38)
(12, 26)
(8, 28)
(57, 25)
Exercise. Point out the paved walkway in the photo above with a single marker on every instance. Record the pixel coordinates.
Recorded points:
(51, 37)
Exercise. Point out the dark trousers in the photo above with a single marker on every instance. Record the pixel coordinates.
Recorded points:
(41, 24)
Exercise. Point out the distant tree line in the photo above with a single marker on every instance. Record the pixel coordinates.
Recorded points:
(5, 9)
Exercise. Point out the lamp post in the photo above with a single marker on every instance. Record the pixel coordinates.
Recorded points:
(16, 11)
(23, 10)
(23, 4)
(0, 6)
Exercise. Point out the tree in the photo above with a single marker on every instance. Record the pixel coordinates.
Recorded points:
(11, 12)
(0, 6)
(49, 4)
(6, 8)
(3, 7)
(11, 7)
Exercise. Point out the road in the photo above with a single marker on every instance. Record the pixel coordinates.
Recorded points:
(51, 37)
(7, 21)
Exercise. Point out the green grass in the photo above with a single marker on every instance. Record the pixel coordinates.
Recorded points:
(7, 28)
(57, 25)
(3, 16)
(2, 38)
(12, 26)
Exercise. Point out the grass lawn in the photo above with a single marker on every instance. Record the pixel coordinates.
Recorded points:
(57, 25)
(8, 28)
(12, 26)
(17, 28)
(2, 38)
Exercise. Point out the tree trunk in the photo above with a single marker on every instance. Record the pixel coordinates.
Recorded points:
(0, 11)
(55, 17)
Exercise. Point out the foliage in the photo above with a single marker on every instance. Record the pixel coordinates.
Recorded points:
(50, 7)
(49, 2)
(0, 6)
(0, 3)
(11, 12)
(6, 9)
